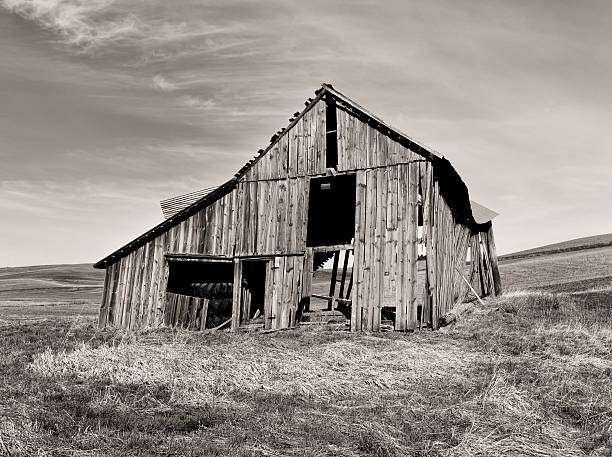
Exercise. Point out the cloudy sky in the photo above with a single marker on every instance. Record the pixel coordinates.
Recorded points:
(108, 106)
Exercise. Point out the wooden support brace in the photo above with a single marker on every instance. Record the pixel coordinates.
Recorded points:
(343, 279)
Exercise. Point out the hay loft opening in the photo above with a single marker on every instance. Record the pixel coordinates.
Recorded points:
(331, 210)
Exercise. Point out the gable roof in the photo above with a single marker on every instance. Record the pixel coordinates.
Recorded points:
(341, 100)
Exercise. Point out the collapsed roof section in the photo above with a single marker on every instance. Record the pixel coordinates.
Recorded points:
(452, 187)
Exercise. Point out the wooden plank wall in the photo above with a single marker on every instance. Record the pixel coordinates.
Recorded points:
(299, 152)
(485, 270)
(186, 312)
(361, 146)
(446, 245)
(272, 216)
(385, 246)
(283, 291)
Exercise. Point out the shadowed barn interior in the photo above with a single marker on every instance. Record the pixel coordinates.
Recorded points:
(337, 186)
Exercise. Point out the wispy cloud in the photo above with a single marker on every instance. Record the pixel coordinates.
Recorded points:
(162, 84)
(85, 24)
(199, 103)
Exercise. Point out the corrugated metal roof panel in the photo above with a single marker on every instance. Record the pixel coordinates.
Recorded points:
(481, 213)
(171, 206)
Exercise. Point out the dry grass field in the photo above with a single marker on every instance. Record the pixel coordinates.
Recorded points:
(529, 373)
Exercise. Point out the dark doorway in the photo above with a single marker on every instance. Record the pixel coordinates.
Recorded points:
(331, 210)
(208, 279)
(253, 287)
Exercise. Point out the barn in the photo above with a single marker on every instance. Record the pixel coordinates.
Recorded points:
(336, 187)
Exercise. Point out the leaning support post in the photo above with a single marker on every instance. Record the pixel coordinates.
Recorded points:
(237, 294)
(470, 286)
(344, 268)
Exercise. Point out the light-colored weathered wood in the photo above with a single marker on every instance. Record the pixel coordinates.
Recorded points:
(237, 295)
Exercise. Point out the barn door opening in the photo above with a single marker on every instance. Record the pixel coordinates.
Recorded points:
(199, 291)
(331, 210)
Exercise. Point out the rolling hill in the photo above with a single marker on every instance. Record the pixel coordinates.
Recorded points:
(577, 244)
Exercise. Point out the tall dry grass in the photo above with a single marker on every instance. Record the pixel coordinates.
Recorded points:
(530, 373)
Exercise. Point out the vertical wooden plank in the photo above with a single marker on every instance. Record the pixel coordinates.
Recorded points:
(225, 247)
(321, 136)
(359, 251)
(341, 138)
(279, 238)
(104, 305)
(296, 290)
(119, 298)
(194, 324)
(370, 279)
(300, 147)
(361, 138)
(307, 271)
(204, 314)
(283, 156)
(237, 294)
(402, 268)
(293, 214)
(156, 272)
(497, 285)
(302, 221)
(287, 292)
(412, 247)
(268, 300)
(277, 293)
(239, 219)
(292, 165)
(161, 292)
(263, 202)
(145, 284)
(381, 194)
(129, 289)
(306, 138)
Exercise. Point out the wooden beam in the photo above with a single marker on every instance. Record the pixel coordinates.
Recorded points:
(197, 258)
(331, 298)
(336, 247)
(307, 278)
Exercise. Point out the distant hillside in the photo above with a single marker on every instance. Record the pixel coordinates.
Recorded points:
(51, 283)
(578, 244)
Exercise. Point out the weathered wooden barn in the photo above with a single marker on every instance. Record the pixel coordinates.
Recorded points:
(336, 185)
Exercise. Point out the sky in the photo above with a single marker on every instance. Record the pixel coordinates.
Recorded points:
(108, 106)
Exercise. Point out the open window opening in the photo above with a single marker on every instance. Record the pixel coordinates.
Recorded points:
(331, 140)
(331, 210)
(210, 280)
